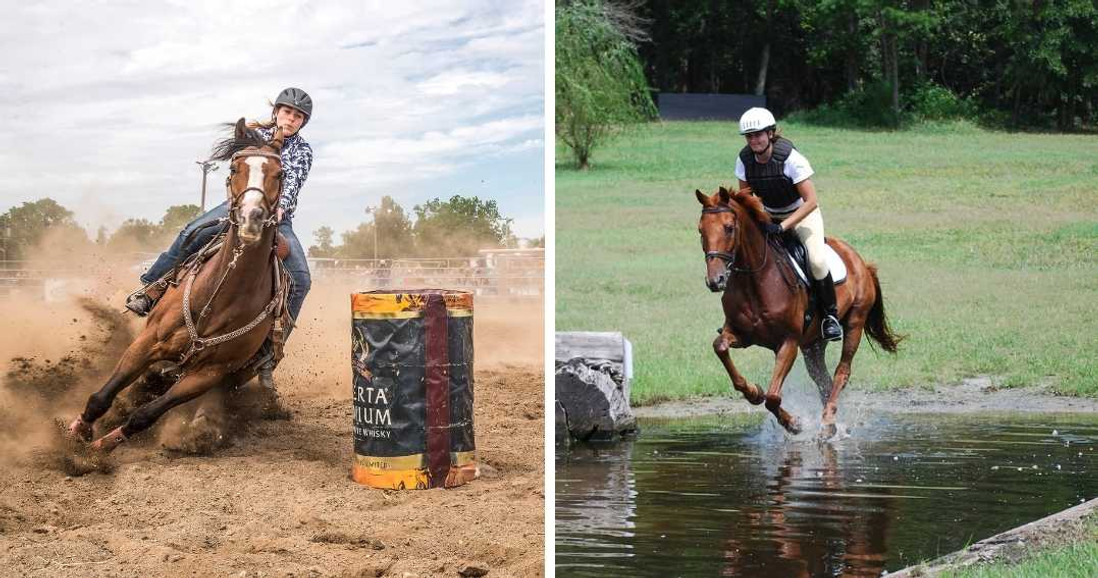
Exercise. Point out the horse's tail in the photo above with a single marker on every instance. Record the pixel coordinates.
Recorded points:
(876, 324)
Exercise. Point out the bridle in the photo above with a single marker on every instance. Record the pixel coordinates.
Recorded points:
(199, 343)
(234, 206)
(730, 258)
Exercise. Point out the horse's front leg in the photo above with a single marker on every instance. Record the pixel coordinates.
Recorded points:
(721, 344)
(787, 354)
(134, 361)
(189, 387)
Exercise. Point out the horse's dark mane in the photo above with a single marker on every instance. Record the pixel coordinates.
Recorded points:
(752, 204)
(744, 200)
(224, 149)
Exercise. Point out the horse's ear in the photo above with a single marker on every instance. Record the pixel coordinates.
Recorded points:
(723, 190)
(241, 129)
(277, 137)
(725, 198)
(702, 197)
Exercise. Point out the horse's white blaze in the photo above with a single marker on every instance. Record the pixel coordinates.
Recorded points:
(252, 199)
(255, 179)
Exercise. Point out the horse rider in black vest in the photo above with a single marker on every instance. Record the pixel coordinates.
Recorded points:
(780, 176)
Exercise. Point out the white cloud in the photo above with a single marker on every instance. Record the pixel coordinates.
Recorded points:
(115, 101)
(453, 82)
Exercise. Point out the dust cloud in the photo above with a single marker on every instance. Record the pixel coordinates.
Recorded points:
(61, 341)
(279, 495)
(506, 333)
(52, 355)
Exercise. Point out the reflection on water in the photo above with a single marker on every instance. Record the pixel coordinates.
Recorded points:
(706, 498)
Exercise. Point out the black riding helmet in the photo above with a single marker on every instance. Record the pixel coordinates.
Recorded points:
(297, 99)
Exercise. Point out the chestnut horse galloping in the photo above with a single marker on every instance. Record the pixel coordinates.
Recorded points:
(212, 322)
(765, 305)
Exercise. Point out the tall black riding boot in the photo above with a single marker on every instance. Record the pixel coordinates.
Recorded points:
(829, 322)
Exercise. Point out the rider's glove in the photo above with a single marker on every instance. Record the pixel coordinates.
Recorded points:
(773, 229)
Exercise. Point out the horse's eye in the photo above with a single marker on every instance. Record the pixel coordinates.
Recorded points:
(729, 228)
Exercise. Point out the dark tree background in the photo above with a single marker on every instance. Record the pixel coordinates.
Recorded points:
(1008, 62)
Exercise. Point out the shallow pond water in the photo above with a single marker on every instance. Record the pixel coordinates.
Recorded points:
(736, 497)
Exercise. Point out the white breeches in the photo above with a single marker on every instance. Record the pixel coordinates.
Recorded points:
(811, 232)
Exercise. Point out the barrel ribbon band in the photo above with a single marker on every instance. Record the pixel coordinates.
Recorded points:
(394, 463)
(438, 390)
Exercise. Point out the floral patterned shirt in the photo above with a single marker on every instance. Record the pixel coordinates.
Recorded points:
(297, 159)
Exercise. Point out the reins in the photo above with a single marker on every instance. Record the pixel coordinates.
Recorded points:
(199, 343)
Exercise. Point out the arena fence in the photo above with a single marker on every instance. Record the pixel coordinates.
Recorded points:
(504, 272)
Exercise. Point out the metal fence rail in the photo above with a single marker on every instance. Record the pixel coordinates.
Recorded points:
(516, 273)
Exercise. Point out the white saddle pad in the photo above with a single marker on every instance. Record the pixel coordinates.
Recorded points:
(834, 263)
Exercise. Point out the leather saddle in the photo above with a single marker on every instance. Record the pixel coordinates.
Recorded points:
(790, 245)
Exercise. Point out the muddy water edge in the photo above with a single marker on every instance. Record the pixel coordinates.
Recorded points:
(733, 495)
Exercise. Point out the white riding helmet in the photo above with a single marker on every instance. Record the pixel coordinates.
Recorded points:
(756, 119)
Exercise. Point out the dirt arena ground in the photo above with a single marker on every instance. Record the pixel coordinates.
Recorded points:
(275, 499)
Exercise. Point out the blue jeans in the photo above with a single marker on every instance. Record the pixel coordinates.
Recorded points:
(295, 263)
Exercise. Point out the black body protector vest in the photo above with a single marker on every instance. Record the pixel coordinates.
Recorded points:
(768, 181)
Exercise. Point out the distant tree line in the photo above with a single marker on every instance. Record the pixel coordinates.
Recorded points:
(145, 235)
(1013, 63)
(1017, 64)
(25, 228)
(457, 227)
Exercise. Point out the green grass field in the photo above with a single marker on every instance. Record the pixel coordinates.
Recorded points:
(1075, 560)
(987, 244)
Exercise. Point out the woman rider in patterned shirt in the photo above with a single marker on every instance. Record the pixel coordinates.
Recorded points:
(292, 110)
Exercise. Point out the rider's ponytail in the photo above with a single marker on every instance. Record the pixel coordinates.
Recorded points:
(256, 124)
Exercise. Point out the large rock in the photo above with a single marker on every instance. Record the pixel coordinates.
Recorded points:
(561, 429)
(595, 404)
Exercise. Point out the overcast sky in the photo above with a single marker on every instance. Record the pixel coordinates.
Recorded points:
(109, 104)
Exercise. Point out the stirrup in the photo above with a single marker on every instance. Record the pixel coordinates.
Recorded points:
(836, 329)
(265, 374)
(140, 304)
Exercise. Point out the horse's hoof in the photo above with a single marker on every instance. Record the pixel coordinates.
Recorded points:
(773, 402)
(80, 430)
(107, 443)
(794, 426)
(827, 432)
(759, 399)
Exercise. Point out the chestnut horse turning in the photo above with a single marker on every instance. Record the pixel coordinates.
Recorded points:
(765, 305)
(220, 312)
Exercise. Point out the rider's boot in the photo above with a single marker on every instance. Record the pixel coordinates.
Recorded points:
(829, 322)
(140, 303)
(144, 300)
